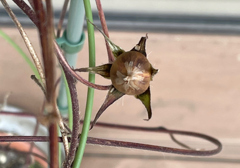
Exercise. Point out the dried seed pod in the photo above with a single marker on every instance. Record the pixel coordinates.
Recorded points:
(131, 73)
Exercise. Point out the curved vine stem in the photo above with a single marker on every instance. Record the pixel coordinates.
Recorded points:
(65, 64)
(187, 151)
(106, 142)
(133, 145)
(76, 119)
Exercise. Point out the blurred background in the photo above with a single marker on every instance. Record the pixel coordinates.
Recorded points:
(195, 46)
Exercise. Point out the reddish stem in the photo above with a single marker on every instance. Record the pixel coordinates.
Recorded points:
(76, 118)
(46, 35)
(106, 142)
(45, 26)
(105, 29)
(130, 145)
(27, 10)
(53, 138)
(61, 19)
(67, 67)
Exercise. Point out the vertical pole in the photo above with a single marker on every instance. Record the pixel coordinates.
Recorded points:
(73, 36)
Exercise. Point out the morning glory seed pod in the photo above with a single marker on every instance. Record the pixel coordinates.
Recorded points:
(131, 73)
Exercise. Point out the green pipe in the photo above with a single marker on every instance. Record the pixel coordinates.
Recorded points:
(71, 42)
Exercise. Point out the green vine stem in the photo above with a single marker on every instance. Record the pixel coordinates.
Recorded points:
(90, 96)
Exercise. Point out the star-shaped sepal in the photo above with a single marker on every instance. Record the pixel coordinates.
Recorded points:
(145, 98)
(112, 96)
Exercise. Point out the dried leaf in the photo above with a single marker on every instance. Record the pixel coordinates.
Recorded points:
(116, 50)
(146, 100)
(103, 70)
(112, 96)
(153, 72)
(140, 47)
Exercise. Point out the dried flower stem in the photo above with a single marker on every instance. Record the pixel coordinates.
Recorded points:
(63, 128)
(32, 52)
